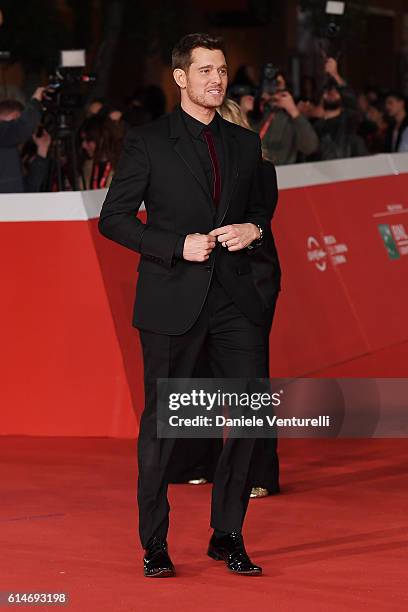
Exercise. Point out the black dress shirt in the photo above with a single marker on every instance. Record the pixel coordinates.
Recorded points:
(195, 129)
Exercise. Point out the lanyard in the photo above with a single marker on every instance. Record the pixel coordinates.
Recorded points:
(265, 126)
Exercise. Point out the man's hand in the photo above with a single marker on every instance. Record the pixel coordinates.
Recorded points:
(197, 247)
(236, 236)
(39, 93)
(332, 70)
(284, 100)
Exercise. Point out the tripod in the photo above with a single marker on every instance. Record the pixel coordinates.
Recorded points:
(64, 156)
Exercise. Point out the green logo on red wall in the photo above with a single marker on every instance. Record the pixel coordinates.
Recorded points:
(389, 241)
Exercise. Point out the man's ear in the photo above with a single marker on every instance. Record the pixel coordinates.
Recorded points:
(180, 77)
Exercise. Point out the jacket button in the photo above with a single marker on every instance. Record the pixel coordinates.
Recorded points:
(208, 268)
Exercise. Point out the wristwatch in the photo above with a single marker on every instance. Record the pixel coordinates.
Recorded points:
(258, 241)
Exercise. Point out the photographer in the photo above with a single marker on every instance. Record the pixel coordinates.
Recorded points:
(16, 126)
(242, 90)
(284, 132)
(337, 128)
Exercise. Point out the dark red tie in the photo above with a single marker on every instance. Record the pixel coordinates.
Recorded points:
(213, 154)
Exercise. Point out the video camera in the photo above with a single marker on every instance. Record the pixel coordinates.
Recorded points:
(331, 32)
(269, 80)
(269, 84)
(63, 102)
(64, 92)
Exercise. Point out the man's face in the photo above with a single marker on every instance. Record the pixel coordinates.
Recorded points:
(281, 83)
(94, 108)
(374, 115)
(10, 116)
(206, 79)
(393, 106)
(331, 95)
(280, 87)
(332, 100)
(362, 102)
(115, 115)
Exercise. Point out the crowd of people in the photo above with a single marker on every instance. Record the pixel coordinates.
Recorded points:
(333, 123)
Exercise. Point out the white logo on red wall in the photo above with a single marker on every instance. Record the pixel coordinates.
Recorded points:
(400, 237)
(319, 253)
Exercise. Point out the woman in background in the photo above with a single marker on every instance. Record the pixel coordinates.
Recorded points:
(101, 141)
(194, 461)
(267, 273)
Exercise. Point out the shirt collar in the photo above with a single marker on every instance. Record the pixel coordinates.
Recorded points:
(196, 127)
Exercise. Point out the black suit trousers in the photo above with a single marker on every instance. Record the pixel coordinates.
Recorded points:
(197, 457)
(236, 349)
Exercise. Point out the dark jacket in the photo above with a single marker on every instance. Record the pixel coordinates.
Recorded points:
(337, 136)
(160, 166)
(12, 134)
(338, 139)
(286, 138)
(388, 136)
(265, 262)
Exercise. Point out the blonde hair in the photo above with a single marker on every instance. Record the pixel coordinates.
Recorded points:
(231, 111)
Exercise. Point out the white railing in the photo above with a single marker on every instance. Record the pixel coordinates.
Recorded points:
(83, 205)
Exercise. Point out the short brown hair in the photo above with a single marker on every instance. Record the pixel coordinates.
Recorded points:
(181, 54)
(10, 106)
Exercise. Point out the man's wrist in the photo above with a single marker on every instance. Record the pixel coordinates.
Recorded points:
(339, 79)
(257, 241)
(42, 152)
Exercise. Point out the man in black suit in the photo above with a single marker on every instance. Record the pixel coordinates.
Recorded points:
(201, 180)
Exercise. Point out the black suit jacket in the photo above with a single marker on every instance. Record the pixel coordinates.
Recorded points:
(12, 134)
(265, 261)
(160, 167)
(389, 134)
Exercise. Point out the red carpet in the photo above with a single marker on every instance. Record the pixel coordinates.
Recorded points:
(335, 538)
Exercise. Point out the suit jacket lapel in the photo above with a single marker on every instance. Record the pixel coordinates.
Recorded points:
(185, 149)
(230, 172)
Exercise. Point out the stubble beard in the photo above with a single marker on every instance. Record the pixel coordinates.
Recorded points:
(201, 100)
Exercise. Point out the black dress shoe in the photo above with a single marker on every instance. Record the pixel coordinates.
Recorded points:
(230, 548)
(157, 563)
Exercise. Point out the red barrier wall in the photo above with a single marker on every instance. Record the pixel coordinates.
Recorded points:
(71, 362)
(332, 310)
